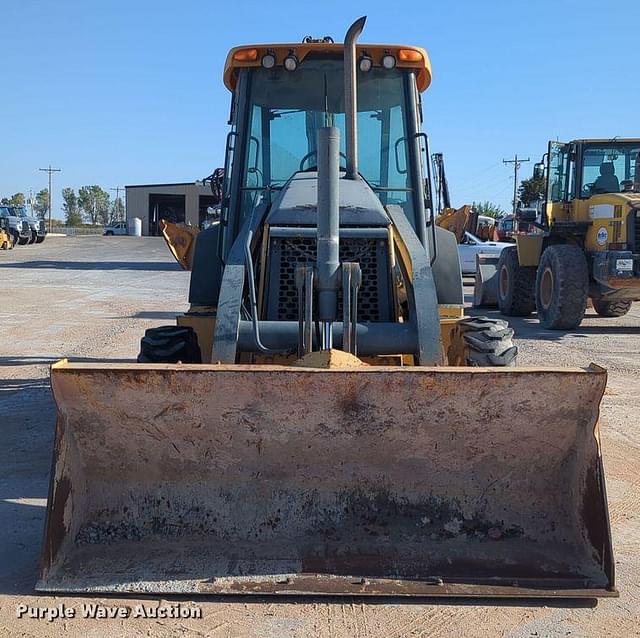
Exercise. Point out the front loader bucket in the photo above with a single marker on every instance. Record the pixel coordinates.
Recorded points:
(208, 479)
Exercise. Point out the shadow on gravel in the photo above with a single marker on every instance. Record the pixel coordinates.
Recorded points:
(96, 265)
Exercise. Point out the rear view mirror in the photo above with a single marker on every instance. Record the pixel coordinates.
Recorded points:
(538, 170)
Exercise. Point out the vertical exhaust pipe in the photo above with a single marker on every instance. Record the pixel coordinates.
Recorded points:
(328, 230)
(351, 96)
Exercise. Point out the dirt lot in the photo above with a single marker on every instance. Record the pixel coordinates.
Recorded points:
(91, 298)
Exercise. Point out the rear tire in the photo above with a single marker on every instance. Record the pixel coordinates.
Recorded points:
(488, 342)
(516, 285)
(611, 308)
(169, 344)
(562, 286)
(39, 240)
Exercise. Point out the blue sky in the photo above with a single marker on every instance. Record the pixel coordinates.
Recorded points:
(122, 92)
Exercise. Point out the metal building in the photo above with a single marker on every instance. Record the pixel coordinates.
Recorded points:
(183, 202)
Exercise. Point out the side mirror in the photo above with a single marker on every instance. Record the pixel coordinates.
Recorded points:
(538, 170)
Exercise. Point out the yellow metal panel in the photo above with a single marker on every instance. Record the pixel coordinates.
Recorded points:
(529, 249)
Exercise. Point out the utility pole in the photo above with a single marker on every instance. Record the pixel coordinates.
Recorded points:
(50, 171)
(517, 163)
(117, 189)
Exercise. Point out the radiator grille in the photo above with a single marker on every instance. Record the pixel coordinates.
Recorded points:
(294, 252)
(25, 226)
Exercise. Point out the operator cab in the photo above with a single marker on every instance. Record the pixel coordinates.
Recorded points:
(582, 169)
(289, 92)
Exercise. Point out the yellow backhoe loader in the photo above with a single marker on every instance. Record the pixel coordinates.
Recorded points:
(324, 420)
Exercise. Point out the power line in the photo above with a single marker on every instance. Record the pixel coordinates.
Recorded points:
(517, 163)
(50, 171)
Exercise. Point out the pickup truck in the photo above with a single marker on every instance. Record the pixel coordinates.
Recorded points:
(37, 227)
(18, 228)
(116, 228)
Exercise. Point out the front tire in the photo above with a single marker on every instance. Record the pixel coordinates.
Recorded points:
(516, 285)
(33, 238)
(40, 239)
(488, 342)
(169, 344)
(611, 308)
(562, 286)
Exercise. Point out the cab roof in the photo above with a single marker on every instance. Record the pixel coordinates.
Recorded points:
(250, 56)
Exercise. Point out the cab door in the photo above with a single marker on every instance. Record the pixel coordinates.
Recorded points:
(558, 181)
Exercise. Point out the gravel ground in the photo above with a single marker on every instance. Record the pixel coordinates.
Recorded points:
(90, 298)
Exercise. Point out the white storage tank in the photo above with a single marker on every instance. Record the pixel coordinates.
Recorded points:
(135, 228)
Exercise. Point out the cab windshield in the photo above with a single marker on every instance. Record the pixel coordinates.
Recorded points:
(287, 108)
(20, 211)
(610, 168)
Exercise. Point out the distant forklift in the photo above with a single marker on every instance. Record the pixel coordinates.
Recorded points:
(589, 240)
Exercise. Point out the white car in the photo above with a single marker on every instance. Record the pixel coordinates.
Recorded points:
(471, 246)
(116, 228)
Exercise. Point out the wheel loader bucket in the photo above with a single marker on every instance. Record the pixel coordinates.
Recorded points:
(181, 240)
(485, 289)
(216, 479)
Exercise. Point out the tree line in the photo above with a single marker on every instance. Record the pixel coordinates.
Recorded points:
(90, 205)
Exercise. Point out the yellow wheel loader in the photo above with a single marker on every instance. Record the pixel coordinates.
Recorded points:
(6, 238)
(324, 420)
(588, 240)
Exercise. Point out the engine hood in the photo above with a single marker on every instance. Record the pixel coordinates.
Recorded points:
(296, 204)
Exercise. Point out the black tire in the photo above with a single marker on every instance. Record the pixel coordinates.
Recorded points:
(109, 233)
(33, 238)
(611, 308)
(40, 239)
(23, 240)
(169, 344)
(488, 342)
(561, 287)
(516, 285)
(16, 239)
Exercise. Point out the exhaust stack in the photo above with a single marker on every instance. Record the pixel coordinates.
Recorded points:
(328, 230)
(351, 96)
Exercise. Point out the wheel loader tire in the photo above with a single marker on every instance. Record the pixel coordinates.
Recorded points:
(561, 287)
(611, 308)
(516, 285)
(488, 342)
(169, 344)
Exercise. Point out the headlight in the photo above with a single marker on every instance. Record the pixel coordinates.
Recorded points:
(268, 61)
(366, 63)
(388, 62)
(291, 62)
